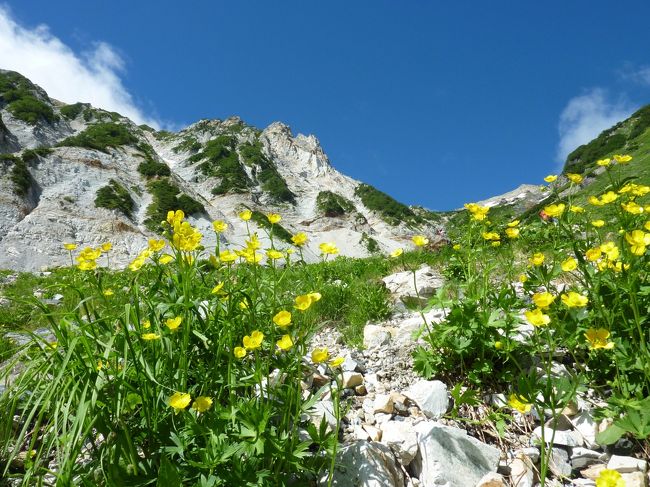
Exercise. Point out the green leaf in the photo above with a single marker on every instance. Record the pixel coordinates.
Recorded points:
(610, 435)
(167, 474)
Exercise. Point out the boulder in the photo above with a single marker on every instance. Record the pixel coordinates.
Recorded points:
(448, 456)
(365, 464)
(402, 284)
(430, 396)
(401, 438)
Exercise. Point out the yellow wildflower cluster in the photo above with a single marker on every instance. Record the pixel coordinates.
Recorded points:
(478, 213)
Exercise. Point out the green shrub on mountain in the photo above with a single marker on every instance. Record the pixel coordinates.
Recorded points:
(390, 210)
(167, 197)
(101, 136)
(114, 196)
(19, 95)
(268, 175)
(333, 205)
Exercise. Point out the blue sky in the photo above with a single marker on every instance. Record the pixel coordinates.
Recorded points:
(435, 103)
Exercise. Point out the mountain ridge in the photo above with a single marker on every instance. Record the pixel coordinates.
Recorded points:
(88, 175)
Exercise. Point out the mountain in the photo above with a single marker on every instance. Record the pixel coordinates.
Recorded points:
(76, 173)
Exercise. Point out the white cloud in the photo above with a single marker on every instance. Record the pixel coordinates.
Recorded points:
(92, 77)
(587, 115)
(636, 74)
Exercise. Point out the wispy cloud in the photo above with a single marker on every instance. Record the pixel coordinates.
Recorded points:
(636, 74)
(585, 116)
(92, 76)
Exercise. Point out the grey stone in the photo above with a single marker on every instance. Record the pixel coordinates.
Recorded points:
(448, 456)
(583, 457)
(365, 464)
(522, 473)
(627, 464)
(559, 462)
(401, 438)
(430, 396)
(635, 479)
(492, 479)
(561, 437)
(375, 336)
(402, 284)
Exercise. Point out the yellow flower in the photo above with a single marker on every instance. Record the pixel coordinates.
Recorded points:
(537, 259)
(89, 254)
(638, 241)
(569, 265)
(319, 355)
(150, 336)
(456, 247)
(479, 213)
(156, 245)
(336, 361)
(622, 159)
(175, 217)
(610, 478)
(420, 240)
(254, 340)
(146, 324)
(254, 243)
(328, 248)
(632, 207)
(166, 259)
(574, 178)
(512, 232)
(495, 243)
(216, 289)
(594, 254)
(282, 318)
(498, 345)
(179, 401)
(243, 304)
(219, 226)
(173, 323)
(647, 225)
(608, 197)
(285, 343)
(253, 257)
(550, 178)
(543, 300)
(598, 338)
(574, 300)
(610, 250)
(274, 254)
(519, 403)
(555, 210)
(598, 223)
(239, 352)
(246, 215)
(595, 201)
(513, 223)
(227, 256)
(201, 404)
(69, 246)
(106, 247)
(303, 302)
(299, 239)
(186, 237)
(537, 318)
(87, 265)
(491, 236)
(273, 218)
(576, 209)
(604, 162)
(108, 292)
(523, 278)
(397, 252)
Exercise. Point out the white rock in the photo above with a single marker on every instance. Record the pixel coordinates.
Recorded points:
(583, 457)
(447, 456)
(373, 433)
(559, 463)
(627, 464)
(365, 464)
(584, 423)
(352, 380)
(383, 403)
(562, 437)
(635, 479)
(375, 336)
(430, 396)
(492, 479)
(323, 409)
(522, 473)
(402, 285)
(401, 438)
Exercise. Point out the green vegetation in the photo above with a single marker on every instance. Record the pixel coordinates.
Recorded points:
(114, 196)
(221, 161)
(33, 155)
(371, 244)
(101, 136)
(167, 197)
(333, 205)
(164, 135)
(619, 138)
(150, 167)
(21, 177)
(20, 96)
(268, 175)
(390, 210)
(189, 144)
(278, 230)
(73, 111)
